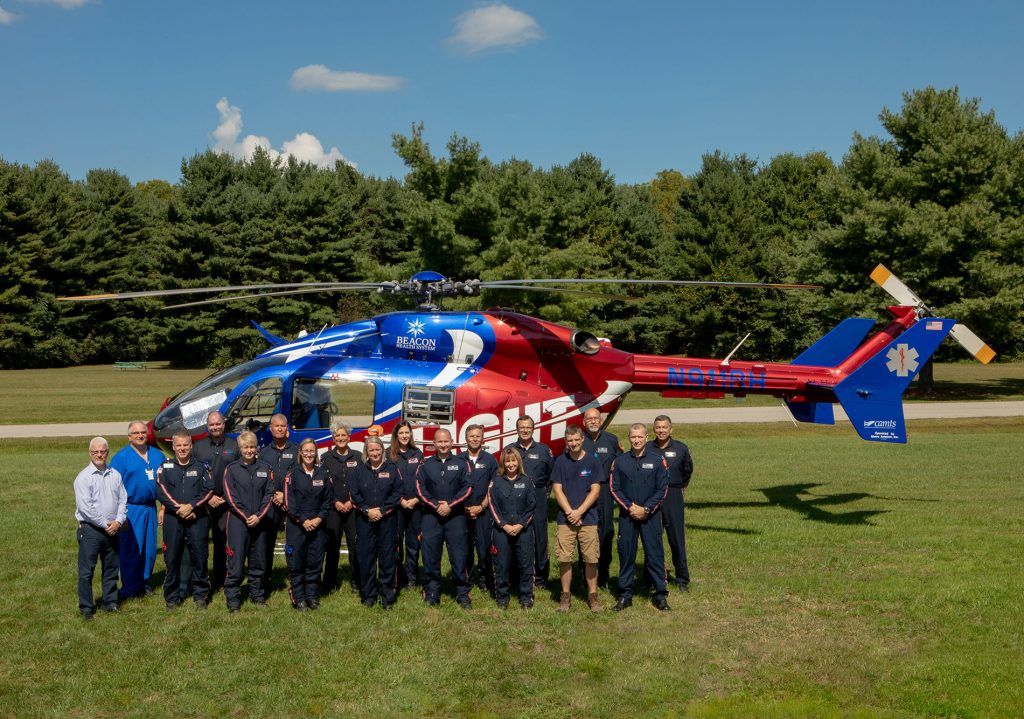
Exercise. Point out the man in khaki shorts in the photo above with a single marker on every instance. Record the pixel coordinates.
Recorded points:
(576, 477)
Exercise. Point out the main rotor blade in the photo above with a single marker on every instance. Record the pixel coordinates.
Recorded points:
(895, 287)
(972, 343)
(565, 290)
(671, 283)
(200, 290)
(270, 294)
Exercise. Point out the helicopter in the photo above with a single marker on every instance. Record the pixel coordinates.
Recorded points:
(452, 369)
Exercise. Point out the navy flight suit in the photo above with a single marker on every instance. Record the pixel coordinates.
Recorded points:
(512, 502)
(680, 467)
(178, 484)
(306, 496)
(249, 490)
(281, 460)
(377, 542)
(606, 447)
(339, 469)
(537, 461)
(217, 456)
(640, 480)
(484, 468)
(410, 521)
(444, 480)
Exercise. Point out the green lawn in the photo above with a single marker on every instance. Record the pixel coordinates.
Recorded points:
(831, 577)
(104, 394)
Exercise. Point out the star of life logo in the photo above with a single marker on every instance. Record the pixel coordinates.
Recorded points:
(414, 339)
(902, 359)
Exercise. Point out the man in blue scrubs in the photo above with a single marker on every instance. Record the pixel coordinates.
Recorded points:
(137, 464)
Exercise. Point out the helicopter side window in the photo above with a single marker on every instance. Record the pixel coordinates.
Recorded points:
(428, 405)
(317, 402)
(253, 408)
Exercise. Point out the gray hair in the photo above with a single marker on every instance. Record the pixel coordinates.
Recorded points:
(97, 441)
(135, 422)
(337, 424)
(663, 418)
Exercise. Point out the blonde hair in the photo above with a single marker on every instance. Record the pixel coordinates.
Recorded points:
(248, 439)
(510, 452)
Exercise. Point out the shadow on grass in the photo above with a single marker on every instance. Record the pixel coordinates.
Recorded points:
(799, 498)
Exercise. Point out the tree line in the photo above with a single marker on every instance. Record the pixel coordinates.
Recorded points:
(939, 199)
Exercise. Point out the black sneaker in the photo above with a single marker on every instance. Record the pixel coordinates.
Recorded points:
(111, 608)
(233, 609)
(661, 604)
(369, 603)
(313, 604)
(172, 605)
(464, 602)
(526, 602)
(432, 601)
(261, 602)
(386, 606)
(503, 603)
(623, 603)
(88, 616)
(682, 586)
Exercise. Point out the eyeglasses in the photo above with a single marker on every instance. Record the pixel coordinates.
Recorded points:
(142, 432)
(99, 451)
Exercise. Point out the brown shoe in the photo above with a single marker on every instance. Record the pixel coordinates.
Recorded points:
(564, 602)
(595, 604)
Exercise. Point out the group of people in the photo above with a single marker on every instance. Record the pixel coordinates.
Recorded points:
(396, 509)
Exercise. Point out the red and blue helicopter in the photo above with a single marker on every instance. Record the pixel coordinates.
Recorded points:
(448, 369)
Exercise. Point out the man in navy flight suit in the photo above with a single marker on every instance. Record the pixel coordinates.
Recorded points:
(217, 450)
(282, 454)
(184, 486)
(484, 468)
(639, 484)
(443, 485)
(606, 447)
(680, 467)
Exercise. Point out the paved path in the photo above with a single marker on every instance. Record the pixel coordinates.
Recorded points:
(694, 415)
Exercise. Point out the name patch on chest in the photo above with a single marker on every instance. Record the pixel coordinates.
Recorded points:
(647, 465)
(384, 475)
(261, 474)
(519, 485)
(192, 473)
(318, 483)
(602, 450)
(352, 463)
(670, 454)
(451, 467)
(287, 455)
(533, 456)
(413, 460)
(169, 465)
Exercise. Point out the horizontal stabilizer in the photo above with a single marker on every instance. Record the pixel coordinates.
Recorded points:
(814, 412)
(872, 395)
(837, 345)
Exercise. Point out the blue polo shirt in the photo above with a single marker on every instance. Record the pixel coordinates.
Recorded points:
(576, 476)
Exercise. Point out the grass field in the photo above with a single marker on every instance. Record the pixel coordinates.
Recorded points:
(831, 578)
(103, 393)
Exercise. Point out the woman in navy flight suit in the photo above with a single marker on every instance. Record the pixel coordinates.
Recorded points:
(308, 495)
(512, 501)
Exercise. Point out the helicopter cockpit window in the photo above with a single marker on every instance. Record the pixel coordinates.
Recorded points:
(428, 405)
(253, 408)
(317, 402)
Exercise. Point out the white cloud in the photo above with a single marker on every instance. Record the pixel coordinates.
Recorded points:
(304, 147)
(6, 18)
(66, 4)
(494, 26)
(319, 77)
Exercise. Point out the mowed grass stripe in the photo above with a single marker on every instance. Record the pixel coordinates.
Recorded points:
(831, 578)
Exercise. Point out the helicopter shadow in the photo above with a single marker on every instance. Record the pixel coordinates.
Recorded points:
(814, 506)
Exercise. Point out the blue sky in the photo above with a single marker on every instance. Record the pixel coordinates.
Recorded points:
(135, 85)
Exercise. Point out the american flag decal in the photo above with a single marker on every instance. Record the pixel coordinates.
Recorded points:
(933, 325)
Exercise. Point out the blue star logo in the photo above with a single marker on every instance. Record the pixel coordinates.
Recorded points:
(416, 328)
